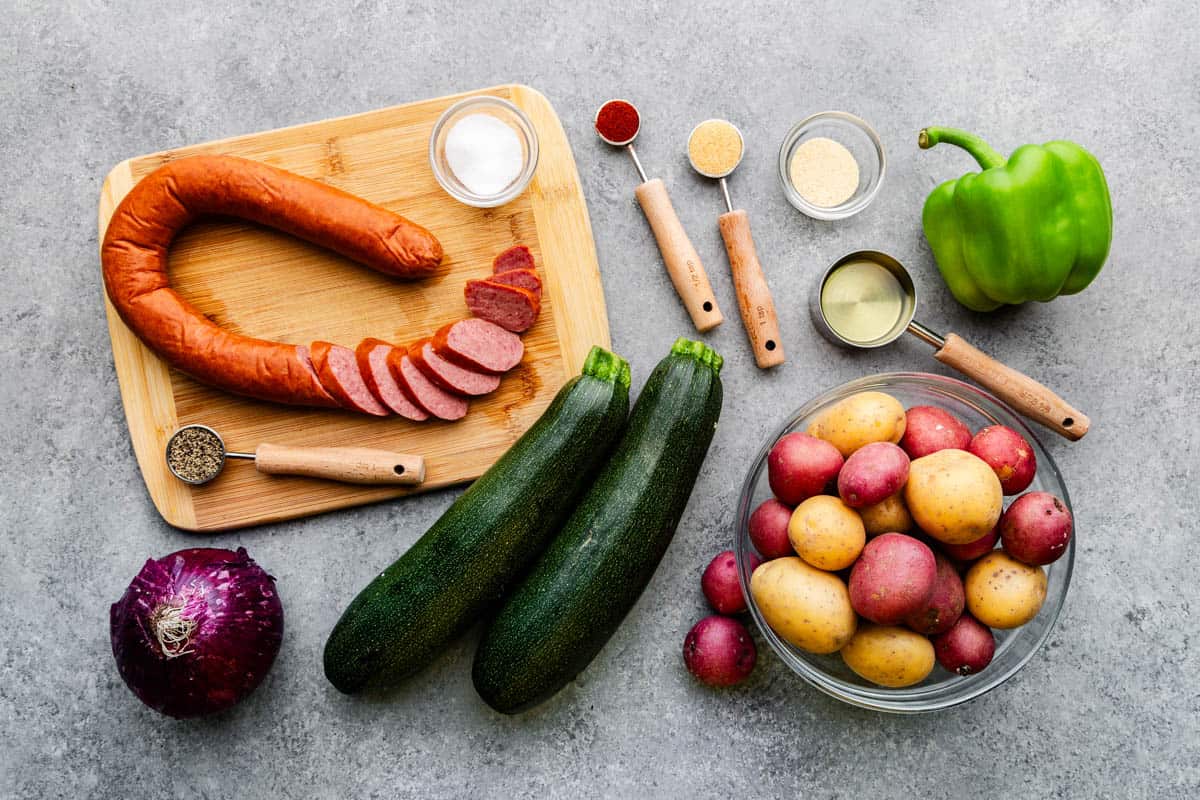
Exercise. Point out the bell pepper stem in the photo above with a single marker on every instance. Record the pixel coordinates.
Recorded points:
(977, 147)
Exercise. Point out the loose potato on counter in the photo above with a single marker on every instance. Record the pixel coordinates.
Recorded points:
(889, 656)
(860, 419)
(1004, 593)
(826, 533)
(889, 515)
(808, 608)
(953, 496)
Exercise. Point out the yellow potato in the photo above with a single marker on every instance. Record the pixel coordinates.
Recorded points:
(808, 608)
(953, 496)
(889, 515)
(826, 532)
(860, 419)
(1004, 593)
(889, 655)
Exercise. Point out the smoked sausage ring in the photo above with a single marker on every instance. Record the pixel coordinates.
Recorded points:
(134, 260)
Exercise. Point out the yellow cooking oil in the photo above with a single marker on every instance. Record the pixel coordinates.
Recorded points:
(862, 301)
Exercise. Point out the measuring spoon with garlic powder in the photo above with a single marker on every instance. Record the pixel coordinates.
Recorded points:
(618, 123)
(196, 454)
(715, 149)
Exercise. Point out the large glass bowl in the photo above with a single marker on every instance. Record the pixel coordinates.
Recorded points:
(942, 689)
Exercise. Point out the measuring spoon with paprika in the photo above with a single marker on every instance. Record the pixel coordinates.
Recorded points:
(617, 123)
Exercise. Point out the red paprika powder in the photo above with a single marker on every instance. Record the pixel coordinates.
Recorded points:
(617, 121)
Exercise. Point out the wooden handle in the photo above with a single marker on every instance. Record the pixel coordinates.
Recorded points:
(1020, 391)
(345, 464)
(753, 294)
(682, 260)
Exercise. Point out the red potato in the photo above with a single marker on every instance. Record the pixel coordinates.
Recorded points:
(892, 579)
(1008, 454)
(800, 466)
(1036, 528)
(872, 473)
(720, 583)
(928, 429)
(966, 648)
(719, 651)
(965, 553)
(769, 529)
(946, 603)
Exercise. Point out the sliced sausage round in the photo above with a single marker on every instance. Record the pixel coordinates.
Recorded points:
(338, 370)
(450, 376)
(517, 257)
(525, 278)
(510, 307)
(372, 363)
(478, 344)
(427, 394)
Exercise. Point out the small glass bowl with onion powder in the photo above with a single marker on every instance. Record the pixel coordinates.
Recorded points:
(483, 151)
(831, 165)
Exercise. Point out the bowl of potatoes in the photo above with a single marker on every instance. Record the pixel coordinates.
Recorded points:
(904, 542)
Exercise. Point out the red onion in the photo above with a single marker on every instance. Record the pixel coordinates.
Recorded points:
(197, 630)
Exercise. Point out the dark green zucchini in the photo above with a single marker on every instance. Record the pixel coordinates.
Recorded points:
(492, 533)
(575, 597)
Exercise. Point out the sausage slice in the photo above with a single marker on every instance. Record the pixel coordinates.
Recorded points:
(428, 395)
(478, 344)
(510, 307)
(517, 257)
(371, 355)
(450, 376)
(525, 278)
(338, 370)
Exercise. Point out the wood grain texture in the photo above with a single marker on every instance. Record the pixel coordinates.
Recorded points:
(754, 296)
(679, 255)
(263, 283)
(364, 465)
(1020, 391)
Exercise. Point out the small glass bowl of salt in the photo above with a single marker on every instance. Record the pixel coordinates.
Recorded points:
(483, 151)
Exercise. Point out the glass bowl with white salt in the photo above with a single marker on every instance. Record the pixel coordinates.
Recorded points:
(483, 151)
(831, 165)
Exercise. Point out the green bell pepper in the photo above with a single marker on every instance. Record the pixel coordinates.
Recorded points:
(1031, 227)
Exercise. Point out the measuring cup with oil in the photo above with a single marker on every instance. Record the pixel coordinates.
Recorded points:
(867, 300)
(196, 454)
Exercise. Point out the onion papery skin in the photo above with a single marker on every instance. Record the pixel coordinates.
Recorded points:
(222, 623)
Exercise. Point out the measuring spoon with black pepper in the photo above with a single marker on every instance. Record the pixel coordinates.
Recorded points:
(196, 454)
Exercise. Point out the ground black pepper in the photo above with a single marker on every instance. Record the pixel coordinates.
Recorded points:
(195, 455)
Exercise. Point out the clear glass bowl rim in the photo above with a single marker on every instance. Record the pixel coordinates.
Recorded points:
(451, 185)
(917, 699)
(836, 212)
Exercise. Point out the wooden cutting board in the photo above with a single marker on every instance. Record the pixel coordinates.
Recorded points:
(266, 284)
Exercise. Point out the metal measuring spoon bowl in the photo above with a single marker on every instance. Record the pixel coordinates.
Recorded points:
(861, 290)
(717, 169)
(196, 454)
(612, 105)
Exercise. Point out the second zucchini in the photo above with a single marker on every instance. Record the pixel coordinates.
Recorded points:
(559, 618)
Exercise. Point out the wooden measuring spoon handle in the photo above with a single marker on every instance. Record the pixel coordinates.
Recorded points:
(753, 294)
(345, 464)
(1020, 391)
(682, 260)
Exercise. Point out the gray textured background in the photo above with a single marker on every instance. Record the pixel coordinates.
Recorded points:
(1109, 708)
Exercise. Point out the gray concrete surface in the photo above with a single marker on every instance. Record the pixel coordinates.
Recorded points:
(1108, 709)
